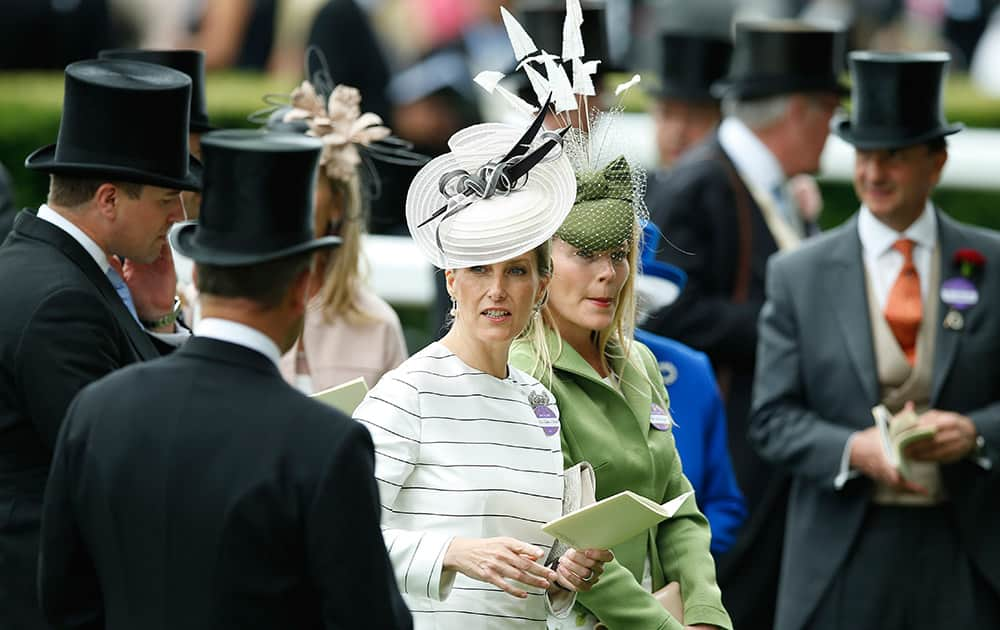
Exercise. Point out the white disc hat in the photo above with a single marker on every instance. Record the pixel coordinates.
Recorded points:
(455, 231)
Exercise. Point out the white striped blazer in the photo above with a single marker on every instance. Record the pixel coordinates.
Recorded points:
(461, 453)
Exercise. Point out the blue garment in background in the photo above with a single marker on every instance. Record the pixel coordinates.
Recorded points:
(700, 434)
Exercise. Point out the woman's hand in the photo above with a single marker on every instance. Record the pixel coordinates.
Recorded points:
(580, 570)
(496, 560)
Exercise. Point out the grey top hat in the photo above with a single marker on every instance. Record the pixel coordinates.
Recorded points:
(896, 100)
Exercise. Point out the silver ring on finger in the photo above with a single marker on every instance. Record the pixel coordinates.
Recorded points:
(589, 577)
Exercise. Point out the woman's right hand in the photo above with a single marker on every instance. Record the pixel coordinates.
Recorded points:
(496, 560)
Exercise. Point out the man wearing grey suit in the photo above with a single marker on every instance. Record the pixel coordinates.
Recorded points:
(895, 308)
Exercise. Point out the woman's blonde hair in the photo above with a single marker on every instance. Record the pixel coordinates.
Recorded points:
(614, 341)
(339, 271)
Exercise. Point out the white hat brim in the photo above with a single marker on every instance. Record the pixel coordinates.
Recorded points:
(489, 230)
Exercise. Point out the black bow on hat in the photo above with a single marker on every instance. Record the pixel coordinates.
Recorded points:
(774, 57)
(896, 100)
(257, 203)
(124, 120)
(190, 62)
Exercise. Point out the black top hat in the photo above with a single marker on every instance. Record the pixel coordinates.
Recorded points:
(125, 120)
(258, 199)
(774, 57)
(896, 100)
(689, 64)
(190, 62)
(543, 20)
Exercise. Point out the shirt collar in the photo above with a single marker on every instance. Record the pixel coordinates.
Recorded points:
(239, 334)
(751, 157)
(49, 215)
(877, 237)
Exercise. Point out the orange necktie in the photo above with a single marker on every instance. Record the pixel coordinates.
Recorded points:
(903, 309)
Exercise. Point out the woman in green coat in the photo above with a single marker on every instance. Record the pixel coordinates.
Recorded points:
(614, 408)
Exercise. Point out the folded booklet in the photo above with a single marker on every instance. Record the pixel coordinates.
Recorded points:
(612, 521)
(898, 432)
(344, 397)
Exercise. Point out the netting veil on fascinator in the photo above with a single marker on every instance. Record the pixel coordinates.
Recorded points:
(351, 139)
(609, 207)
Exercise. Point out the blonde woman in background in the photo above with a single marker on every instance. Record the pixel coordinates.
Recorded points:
(349, 331)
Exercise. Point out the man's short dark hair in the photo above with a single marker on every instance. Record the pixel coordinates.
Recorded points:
(69, 191)
(937, 145)
(265, 283)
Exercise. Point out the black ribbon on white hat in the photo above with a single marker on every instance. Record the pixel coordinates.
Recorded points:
(501, 176)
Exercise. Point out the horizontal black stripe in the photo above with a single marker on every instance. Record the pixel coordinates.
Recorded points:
(443, 395)
(507, 490)
(493, 590)
(375, 424)
(442, 515)
(479, 614)
(500, 444)
(427, 464)
(454, 419)
(431, 356)
(392, 404)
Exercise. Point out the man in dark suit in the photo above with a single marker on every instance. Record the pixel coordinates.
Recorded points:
(223, 497)
(68, 316)
(723, 211)
(892, 308)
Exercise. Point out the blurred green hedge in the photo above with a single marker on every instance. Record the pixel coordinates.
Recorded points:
(30, 105)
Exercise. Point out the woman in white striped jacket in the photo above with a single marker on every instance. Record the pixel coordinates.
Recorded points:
(467, 449)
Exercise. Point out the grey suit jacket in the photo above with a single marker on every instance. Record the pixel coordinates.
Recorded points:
(816, 383)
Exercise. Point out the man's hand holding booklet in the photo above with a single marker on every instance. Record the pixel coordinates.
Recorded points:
(898, 432)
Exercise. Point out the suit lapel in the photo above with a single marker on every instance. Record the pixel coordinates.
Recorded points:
(947, 340)
(39, 229)
(845, 284)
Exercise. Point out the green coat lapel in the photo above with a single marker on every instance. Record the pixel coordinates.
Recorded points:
(638, 400)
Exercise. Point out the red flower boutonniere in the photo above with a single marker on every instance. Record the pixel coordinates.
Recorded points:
(969, 261)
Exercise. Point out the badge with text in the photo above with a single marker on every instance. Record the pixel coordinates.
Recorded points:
(660, 418)
(959, 293)
(547, 418)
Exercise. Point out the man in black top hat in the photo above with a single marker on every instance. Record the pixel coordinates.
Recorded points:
(723, 208)
(685, 110)
(191, 63)
(86, 281)
(224, 498)
(896, 308)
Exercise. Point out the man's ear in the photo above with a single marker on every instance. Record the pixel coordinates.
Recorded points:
(106, 199)
(299, 293)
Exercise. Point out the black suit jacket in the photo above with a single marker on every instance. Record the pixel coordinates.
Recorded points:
(711, 226)
(696, 207)
(817, 382)
(202, 491)
(62, 326)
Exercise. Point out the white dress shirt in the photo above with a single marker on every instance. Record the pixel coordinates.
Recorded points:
(883, 263)
(47, 214)
(239, 334)
(756, 164)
